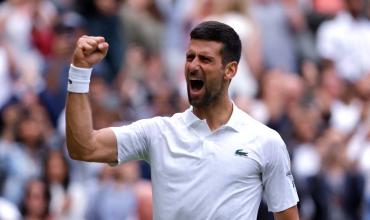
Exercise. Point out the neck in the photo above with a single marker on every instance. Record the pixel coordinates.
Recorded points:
(216, 114)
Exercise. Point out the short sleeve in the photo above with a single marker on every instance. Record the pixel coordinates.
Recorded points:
(133, 140)
(279, 188)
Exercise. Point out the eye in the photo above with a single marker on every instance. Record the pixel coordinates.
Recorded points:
(205, 59)
(189, 57)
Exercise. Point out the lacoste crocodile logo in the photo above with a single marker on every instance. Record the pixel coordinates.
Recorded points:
(241, 153)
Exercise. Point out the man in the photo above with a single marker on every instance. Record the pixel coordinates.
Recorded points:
(212, 161)
(344, 41)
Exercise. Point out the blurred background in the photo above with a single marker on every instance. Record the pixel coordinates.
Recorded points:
(305, 71)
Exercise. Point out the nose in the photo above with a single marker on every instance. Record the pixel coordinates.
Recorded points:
(193, 65)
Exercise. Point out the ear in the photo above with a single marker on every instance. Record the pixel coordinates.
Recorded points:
(230, 70)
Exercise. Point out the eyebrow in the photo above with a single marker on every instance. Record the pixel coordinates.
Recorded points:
(202, 56)
(189, 53)
(205, 57)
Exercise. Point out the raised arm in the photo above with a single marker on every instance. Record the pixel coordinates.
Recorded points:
(83, 142)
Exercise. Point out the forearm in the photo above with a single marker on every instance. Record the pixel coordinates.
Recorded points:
(83, 142)
(79, 128)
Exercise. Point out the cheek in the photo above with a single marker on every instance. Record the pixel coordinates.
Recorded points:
(215, 82)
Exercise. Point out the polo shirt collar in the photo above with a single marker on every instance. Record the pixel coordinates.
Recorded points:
(234, 122)
(189, 117)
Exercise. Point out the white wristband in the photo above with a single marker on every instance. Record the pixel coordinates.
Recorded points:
(78, 79)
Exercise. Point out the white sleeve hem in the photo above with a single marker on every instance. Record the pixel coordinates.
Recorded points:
(115, 132)
(283, 207)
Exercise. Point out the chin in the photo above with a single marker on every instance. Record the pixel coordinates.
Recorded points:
(198, 103)
(194, 102)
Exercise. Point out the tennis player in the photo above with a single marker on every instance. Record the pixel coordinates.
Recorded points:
(212, 161)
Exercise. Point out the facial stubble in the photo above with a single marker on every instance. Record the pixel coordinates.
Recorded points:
(211, 95)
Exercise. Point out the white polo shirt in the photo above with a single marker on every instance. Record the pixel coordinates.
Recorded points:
(200, 174)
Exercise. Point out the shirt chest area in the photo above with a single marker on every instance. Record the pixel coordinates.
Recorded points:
(223, 154)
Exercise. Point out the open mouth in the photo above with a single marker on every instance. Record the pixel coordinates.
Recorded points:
(196, 84)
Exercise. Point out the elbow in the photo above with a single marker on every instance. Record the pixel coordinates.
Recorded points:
(77, 151)
(73, 154)
(79, 145)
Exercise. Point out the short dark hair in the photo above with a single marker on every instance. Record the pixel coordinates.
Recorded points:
(220, 32)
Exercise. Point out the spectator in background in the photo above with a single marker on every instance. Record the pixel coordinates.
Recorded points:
(26, 134)
(23, 161)
(279, 96)
(304, 40)
(163, 97)
(116, 199)
(346, 111)
(336, 191)
(142, 25)
(318, 11)
(233, 13)
(306, 127)
(104, 21)
(129, 81)
(277, 36)
(359, 154)
(359, 144)
(144, 88)
(345, 41)
(44, 15)
(64, 5)
(328, 7)
(329, 89)
(105, 103)
(67, 199)
(8, 123)
(6, 73)
(67, 29)
(143, 192)
(19, 18)
(35, 204)
(177, 15)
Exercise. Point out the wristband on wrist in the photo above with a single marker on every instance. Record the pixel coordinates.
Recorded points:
(78, 79)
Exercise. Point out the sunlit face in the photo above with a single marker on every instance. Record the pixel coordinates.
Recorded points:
(204, 72)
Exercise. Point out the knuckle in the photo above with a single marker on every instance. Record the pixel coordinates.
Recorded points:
(80, 41)
(80, 44)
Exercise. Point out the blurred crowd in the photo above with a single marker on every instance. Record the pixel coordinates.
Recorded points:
(304, 71)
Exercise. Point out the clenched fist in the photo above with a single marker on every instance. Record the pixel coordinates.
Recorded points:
(89, 51)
